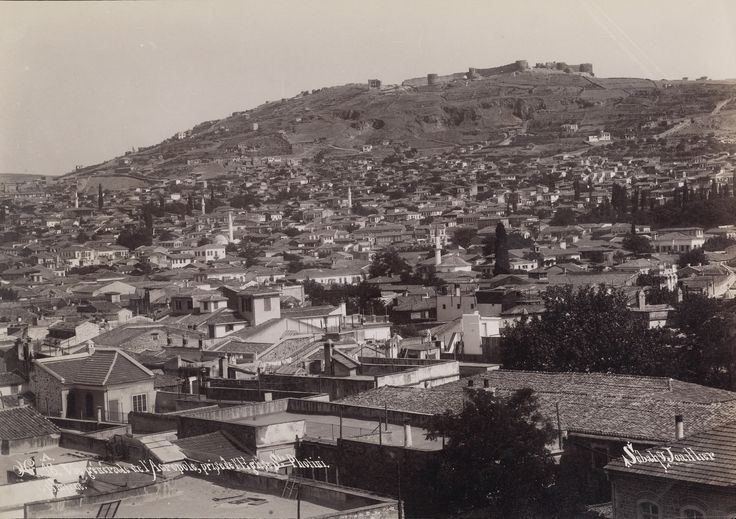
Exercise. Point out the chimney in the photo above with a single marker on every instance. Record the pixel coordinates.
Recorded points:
(437, 251)
(457, 290)
(679, 427)
(407, 435)
(328, 358)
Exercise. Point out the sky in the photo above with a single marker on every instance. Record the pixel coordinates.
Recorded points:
(82, 82)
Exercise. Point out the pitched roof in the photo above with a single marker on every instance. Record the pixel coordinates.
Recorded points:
(211, 446)
(613, 406)
(718, 471)
(101, 368)
(24, 422)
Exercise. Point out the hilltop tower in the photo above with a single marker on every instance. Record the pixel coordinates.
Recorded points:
(437, 251)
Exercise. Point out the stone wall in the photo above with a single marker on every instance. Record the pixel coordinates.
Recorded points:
(336, 387)
(374, 468)
(48, 391)
(84, 443)
(672, 497)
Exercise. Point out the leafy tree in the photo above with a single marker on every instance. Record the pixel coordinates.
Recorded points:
(718, 243)
(589, 329)
(637, 244)
(362, 210)
(695, 256)
(133, 238)
(292, 231)
(100, 201)
(82, 237)
(708, 329)
(464, 236)
(388, 263)
(204, 240)
(564, 216)
(495, 457)
(315, 292)
(8, 294)
(503, 264)
(245, 200)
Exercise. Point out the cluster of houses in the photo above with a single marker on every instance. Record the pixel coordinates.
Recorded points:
(206, 339)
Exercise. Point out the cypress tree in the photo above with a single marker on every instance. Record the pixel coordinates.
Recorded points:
(503, 265)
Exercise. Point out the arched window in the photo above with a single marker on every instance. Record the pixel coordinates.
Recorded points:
(692, 512)
(648, 510)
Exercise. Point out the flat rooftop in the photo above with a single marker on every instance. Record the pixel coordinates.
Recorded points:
(328, 427)
(194, 497)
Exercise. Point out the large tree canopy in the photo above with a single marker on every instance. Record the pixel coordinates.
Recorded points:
(388, 263)
(495, 456)
(589, 329)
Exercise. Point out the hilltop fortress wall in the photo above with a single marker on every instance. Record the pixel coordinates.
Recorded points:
(478, 73)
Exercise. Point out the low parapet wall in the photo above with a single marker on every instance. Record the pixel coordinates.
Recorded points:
(358, 412)
(59, 507)
(347, 501)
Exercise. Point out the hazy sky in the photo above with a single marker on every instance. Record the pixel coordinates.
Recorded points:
(83, 82)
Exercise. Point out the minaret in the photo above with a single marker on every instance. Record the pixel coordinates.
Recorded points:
(230, 226)
(350, 198)
(76, 199)
(437, 251)
(203, 205)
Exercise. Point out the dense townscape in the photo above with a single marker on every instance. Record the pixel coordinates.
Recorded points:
(532, 319)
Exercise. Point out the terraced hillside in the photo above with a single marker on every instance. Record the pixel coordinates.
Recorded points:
(531, 105)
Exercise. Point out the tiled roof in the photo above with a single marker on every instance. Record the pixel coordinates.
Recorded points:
(719, 471)
(103, 367)
(413, 399)
(210, 447)
(616, 406)
(24, 422)
(602, 384)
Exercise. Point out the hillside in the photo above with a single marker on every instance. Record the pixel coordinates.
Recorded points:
(527, 106)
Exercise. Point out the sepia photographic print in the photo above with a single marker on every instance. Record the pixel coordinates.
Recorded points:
(281, 259)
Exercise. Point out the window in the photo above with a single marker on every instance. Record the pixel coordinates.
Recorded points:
(248, 305)
(648, 510)
(692, 513)
(458, 306)
(267, 304)
(444, 307)
(228, 327)
(139, 403)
